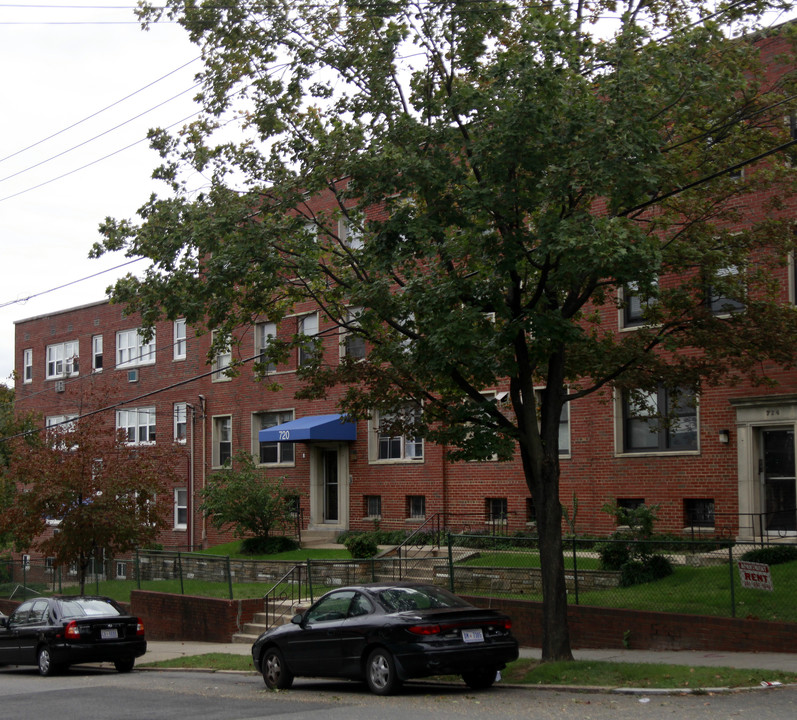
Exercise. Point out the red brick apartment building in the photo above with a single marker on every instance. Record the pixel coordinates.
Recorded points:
(729, 467)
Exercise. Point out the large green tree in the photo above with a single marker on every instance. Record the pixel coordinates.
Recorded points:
(504, 169)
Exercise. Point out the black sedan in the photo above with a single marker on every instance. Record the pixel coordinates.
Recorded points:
(55, 632)
(386, 634)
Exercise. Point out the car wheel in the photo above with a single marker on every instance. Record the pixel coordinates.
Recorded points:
(480, 679)
(124, 666)
(275, 672)
(380, 673)
(45, 660)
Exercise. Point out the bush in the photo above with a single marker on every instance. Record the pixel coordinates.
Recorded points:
(614, 554)
(637, 572)
(774, 555)
(268, 545)
(361, 546)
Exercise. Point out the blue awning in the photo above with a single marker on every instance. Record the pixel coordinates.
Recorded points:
(312, 427)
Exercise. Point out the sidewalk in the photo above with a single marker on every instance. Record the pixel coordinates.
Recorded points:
(166, 650)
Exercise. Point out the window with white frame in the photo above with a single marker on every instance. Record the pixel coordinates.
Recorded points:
(308, 327)
(264, 333)
(564, 424)
(271, 453)
(27, 365)
(636, 302)
(63, 359)
(60, 423)
(180, 509)
(350, 234)
(179, 339)
(221, 362)
(132, 350)
(723, 291)
(180, 421)
(137, 424)
(661, 420)
(373, 506)
(222, 440)
(352, 344)
(96, 353)
(390, 446)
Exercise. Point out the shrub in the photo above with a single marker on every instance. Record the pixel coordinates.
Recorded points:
(773, 555)
(268, 545)
(361, 546)
(637, 572)
(614, 554)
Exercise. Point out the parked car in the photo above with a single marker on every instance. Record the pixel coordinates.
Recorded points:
(386, 634)
(56, 632)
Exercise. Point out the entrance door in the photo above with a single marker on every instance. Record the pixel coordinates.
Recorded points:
(778, 478)
(329, 468)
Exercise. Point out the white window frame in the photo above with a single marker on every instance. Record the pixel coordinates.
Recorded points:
(138, 424)
(349, 234)
(132, 351)
(222, 425)
(180, 419)
(27, 366)
(180, 508)
(264, 331)
(221, 361)
(96, 353)
(306, 350)
(180, 339)
(63, 360)
(286, 452)
(346, 335)
(410, 450)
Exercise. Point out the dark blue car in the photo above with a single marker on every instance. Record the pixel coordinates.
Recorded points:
(386, 634)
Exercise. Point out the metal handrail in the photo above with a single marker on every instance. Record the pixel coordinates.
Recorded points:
(291, 579)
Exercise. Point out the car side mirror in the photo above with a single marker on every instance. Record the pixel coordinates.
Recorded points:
(3, 621)
(297, 619)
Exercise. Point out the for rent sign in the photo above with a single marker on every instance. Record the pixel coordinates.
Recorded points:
(755, 575)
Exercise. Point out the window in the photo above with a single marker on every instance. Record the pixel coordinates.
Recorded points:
(62, 359)
(132, 350)
(662, 420)
(179, 339)
(307, 326)
(349, 234)
(64, 422)
(722, 289)
(222, 440)
(121, 570)
(264, 333)
(221, 362)
(180, 421)
(630, 503)
(27, 365)
(271, 453)
(96, 353)
(397, 447)
(635, 303)
(137, 424)
(352, 345)
(699, 512)
(496, 510)
(57, 427)
(564, 424)
(416, 507)
(180, 509)
(373, 506)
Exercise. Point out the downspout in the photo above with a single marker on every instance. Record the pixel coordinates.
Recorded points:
(202, 406)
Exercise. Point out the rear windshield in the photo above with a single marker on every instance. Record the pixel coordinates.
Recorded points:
(88, 607)
(399, 599)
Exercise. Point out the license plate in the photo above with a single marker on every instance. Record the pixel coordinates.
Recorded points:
(112, 634)
(472, 636)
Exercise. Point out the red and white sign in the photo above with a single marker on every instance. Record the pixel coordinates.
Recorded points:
(755, 575)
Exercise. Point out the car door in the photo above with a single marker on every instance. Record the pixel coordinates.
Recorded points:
(355, 632)
(30, 630)
(315, 648)
(9, 635)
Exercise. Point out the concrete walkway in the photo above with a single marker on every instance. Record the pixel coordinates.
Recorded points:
(787, 662)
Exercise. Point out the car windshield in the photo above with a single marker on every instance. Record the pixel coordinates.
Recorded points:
(400, 599)
(87, 607)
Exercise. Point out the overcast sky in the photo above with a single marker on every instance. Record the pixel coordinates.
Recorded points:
(62, 65)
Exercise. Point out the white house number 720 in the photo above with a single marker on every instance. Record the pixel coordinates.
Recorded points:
(285, 434)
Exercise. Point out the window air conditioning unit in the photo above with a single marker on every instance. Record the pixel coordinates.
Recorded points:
(60, 386)
(132, 376)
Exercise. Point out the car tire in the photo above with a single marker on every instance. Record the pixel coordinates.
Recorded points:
(124, 666)
(380, 673)
(480, 679)
(44, 659)
(275, 672)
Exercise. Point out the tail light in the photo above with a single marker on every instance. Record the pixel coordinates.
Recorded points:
(424, 629)
(139, 627)
(72, 631)
(506, 624)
